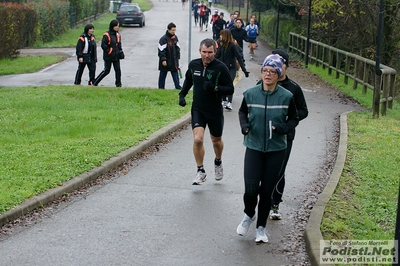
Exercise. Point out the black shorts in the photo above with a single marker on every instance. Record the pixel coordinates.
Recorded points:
(215, 122)
(252, 40)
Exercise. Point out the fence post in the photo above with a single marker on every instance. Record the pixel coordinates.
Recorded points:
(377, 94)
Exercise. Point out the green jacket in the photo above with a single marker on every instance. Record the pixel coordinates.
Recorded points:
(260, 110)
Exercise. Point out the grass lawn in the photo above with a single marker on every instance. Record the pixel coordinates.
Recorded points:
(364, 204)
(52, 134)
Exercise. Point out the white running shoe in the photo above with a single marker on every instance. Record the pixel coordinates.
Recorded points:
(244, 225)
(223, 104)
(219, 172)
(229, 106)
(200, 178)
(275, 214)
(261, 237)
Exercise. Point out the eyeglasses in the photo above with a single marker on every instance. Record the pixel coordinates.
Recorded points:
(268, 71)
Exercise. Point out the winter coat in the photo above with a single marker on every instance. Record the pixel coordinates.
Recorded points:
(111, 45)
(170, 51)
(90, 41)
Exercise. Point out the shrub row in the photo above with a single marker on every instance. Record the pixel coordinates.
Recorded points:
(17, 28)
(41, 21)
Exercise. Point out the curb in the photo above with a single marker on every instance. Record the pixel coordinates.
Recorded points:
(71, 185)
(312, 233)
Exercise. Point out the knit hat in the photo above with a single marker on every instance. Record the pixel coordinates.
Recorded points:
(216, 10)
(274, 61)
(283, 54)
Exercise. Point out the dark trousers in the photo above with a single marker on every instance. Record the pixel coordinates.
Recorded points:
(261, 171)
(163, 76)
(232, 73)
(92, 72)
(280, 185)
(106, 71)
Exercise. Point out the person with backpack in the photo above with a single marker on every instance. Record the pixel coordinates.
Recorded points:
(228, 53)
(112, 53)
(252, 33)
(86, 54)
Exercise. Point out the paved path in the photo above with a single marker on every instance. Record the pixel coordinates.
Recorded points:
(151, 214)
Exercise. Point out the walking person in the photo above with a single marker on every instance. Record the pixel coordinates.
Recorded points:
(210, 80)
(252, 33)
(169, 54)
(86, 53)
(219, 25)
(302, 110)
(112, 53)
(267, 114)
(203, 16)
(214, 17)
(195, 9)
(229, 54)
(239, 33)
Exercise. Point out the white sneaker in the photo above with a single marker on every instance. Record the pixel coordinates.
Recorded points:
(244, 225)
(261, 237)
(275, 214)
(223, 104)
(229, 106)
(200, 178)
(219, 172)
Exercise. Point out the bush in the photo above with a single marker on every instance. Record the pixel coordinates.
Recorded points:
(17, 28)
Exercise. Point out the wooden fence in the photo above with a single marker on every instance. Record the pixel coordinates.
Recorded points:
(350, 66)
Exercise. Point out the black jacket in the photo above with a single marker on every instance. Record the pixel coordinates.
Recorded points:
(208, 102)
(170, 51)
(80, 46)
(298, 98)
(111, 45)
(240, 35)
(230, 55)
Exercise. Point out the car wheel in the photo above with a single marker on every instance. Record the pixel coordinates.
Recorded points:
(141, 24)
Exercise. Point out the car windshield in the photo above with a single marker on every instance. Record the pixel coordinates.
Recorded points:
(129, 9)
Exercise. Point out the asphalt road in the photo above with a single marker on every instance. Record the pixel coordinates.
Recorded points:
(151, 214)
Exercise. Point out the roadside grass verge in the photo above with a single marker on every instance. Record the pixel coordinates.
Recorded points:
(364, 204)
(52, 134)
(28, 64)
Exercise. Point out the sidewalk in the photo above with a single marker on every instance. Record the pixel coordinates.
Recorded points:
(150, 213)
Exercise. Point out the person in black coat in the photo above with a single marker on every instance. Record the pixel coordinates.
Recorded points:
(218, 25)
(228, 53)
(169, 54)
(112, 53)
(86, 53)
(239, 33)
(302, 111)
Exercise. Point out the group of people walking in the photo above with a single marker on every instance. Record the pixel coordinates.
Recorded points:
(268, 116)
(87, 54)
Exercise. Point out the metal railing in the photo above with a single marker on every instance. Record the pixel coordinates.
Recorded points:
(351, 66)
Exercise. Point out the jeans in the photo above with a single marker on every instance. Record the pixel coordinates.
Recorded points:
(163, 75)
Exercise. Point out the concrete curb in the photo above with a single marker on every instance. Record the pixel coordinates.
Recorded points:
(312, 233)
(71, 185)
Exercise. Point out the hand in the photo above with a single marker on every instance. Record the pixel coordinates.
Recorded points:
(208, 86)
(281, 129)
(246, 74)
(182, 101)
(245, 130)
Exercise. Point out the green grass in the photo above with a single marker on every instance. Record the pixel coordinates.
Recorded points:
(28, 64)
(52, 134)
(364, 204)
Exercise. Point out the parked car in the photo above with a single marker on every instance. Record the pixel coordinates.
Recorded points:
(131, 14)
